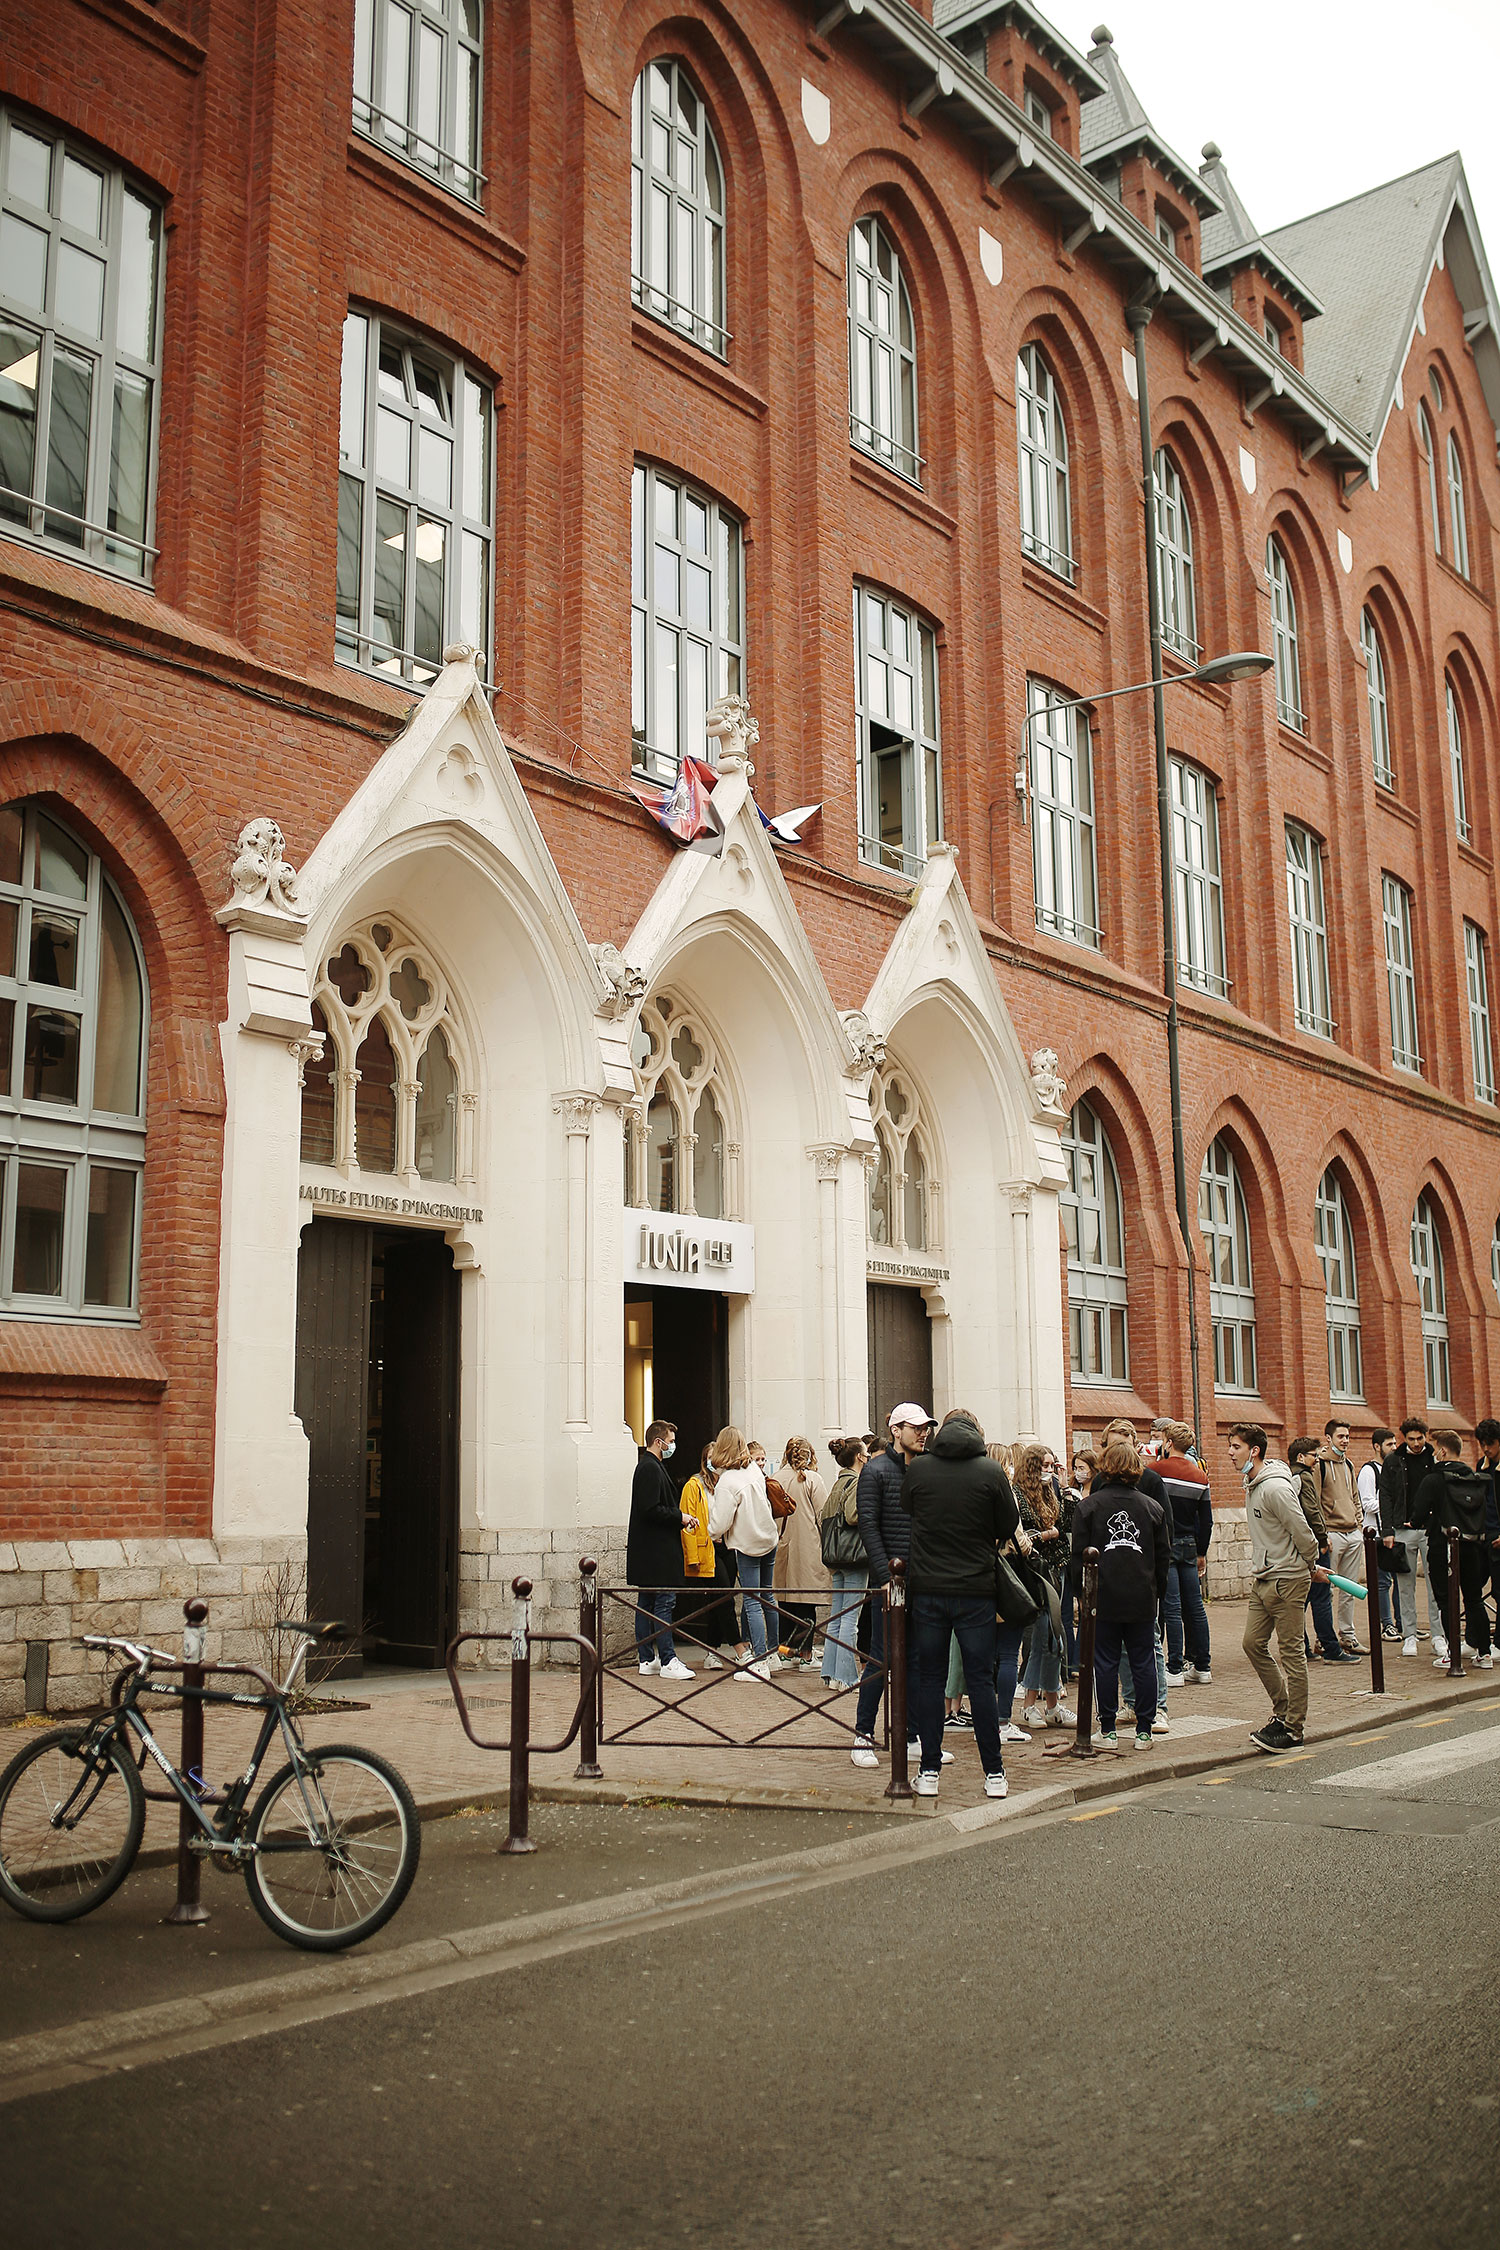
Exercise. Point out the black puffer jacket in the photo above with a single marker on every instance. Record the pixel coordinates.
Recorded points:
(1452, 1498)
(884, 1525)
(961, 1509)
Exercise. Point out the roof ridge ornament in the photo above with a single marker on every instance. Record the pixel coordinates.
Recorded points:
(731, 723)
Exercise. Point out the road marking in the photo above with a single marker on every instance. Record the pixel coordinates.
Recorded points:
(1220, 1781)
(1447, 1722)
(1100, 1812)
(1298, 1757)
(1410, 1767)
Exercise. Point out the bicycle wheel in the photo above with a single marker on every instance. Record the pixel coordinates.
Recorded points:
(335, 1852)
(70, 1824)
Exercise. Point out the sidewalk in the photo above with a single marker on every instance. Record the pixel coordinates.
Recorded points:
(414, 1723)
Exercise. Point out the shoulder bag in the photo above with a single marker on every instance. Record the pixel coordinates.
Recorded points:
(782, 1505)
(843, 1548)
(1014, 1604)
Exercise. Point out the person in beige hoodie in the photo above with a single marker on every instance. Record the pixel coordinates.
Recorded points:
(799, 1557)
(1343, 1518)
(1283, 1551)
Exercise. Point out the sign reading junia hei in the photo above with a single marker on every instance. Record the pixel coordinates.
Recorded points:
(681, 1253)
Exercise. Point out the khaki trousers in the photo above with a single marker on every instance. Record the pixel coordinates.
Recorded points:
(1277, 1604)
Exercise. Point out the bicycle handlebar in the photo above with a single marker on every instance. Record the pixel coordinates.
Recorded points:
(145, 1657)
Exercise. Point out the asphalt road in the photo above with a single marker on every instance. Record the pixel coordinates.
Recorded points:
(1261, 2007)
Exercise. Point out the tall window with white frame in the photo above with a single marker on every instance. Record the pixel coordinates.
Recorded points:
(1224, 1224)
(1062, 817)
(1456, 761)
(882, 352)
(1427, 446)
(1377, 700)
(1174, 556)
(1309, 921)
(1335, 1244)
(1477, 976)
(73, 1008)
(1197, 890)
(1284, 640)
(903, 1210)
(1400, 973)
(416, 85)
(896, 728)
(1458, 514)
(1093, 1225)
(80, 351)
(1432, 1289)
(1042, 442)
(386, 1096)
(687, 617)
(416, 436)
(682, 1154)
(677, 207)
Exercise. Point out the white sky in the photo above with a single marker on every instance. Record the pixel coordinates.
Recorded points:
(1313, 101)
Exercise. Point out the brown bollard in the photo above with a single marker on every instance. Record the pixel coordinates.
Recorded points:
(1372, 1591)
(1455, 1611)
(190, 1764)
(588, 1767)
(520, 1721)
(899, 1784)
(1083, 1744)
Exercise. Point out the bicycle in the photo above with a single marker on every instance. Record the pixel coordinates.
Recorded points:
(328, 1850)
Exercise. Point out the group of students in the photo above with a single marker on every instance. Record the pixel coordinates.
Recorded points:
(764, 1570)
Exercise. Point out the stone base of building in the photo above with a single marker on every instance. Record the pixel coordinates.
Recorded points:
(550, 1559)
(1229, 1576)
(53, 1590)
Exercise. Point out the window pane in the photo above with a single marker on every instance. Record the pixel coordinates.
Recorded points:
(375, 1102)
(352, 391)
(82, 197)
(28, 171)
(476, 443)
(390, 578)
(109, 1244)
(397, 64)
(351, 533)
(430, 579)
(135, 326)
(41, 1202)
(318, 1097)
(9, 920)
(23, 261)
(117, 1047)
(54, 949)
(708, 1160)
(129, 455)
(474, 603)
(50, 1058)
(62, 866)
(80, 290)
(7, 1042)
(68, 441)
(19, 353)
(393, 448)
(437, 1111)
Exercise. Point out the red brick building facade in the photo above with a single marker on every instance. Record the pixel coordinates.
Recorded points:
(189, 647)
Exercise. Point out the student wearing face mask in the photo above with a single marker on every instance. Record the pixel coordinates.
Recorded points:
(653, 1553)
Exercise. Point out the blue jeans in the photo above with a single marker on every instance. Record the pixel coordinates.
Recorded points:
(840, 1660)
(1044, 1664)
(653, 1623)
(1320, 1602)
(1183, 1610)
(1139, 1641)
(1008, 1640)
(971, 1619)
(760, 1614)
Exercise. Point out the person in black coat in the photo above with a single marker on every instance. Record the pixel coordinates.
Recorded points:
(1453, 1498)
(962, 1512)
(653, 1554)
(885, 1529)
(1128, 1527)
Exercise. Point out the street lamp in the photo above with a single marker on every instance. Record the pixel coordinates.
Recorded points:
(1217, 671)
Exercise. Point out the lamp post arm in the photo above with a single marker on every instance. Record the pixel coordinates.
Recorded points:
(1080, 703)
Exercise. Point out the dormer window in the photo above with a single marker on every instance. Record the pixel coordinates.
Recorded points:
(1038, 112)
(1166, 233)
(1274, 336)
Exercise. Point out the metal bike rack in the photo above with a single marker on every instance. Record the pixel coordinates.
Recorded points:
(520, 1745)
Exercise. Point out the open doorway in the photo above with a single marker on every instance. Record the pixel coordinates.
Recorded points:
(377, 1393)
(677, 1367)
(900, 1348)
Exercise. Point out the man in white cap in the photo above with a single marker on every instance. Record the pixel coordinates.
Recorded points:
(885, 1528)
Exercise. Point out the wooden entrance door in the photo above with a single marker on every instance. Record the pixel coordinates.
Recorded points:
(332, 1393)
(412, 1574)
(900, 1344)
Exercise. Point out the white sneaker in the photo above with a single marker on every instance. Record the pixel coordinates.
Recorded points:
(676, 1670)
(774, 1664)
(1465, 1650)
(1175, 1679)
(1195, 1677)
(863, 1753)
(653, 1666)
(926, 1784)
(996, 1785)
(1409, 1645)
(1440, 1660)
(1010, 1732)
(712, 1663)
(1035, 1715)
(914, 1752)
(1161, 1724)
(1061, 1716)
(757, 1671)
(1485, 1663)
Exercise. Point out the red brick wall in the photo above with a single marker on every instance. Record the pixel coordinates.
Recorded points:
(162, 721)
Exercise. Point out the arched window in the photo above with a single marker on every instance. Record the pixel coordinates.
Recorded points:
(1458, 515)
(677, 207)
(1224, 1225)
(80, 351)
(1042, 439)
(1427, 1266)
(1428, 446)
(1335, 1244)
(386, 1095)
(416, 85)
(903, 1186)
(1284, 640)
(1377, 701)
(72, 1077)
(882, 352)
(679, 1154)
(897, 731)
(1093, 1225)
(1174, 555)
(686, 618)
(1456, 761)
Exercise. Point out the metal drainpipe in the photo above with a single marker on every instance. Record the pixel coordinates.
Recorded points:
(1138, 313)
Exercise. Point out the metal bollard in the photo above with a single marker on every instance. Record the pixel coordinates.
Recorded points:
(1083, 1744)
(590, 1629)
(190, 1763)
(520, 1721)
(1375, 1622)
(899, 1784)
(1455, 1617)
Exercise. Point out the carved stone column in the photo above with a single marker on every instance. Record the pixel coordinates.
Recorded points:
(577, 1113)
(1019, 1196)
(828, 1157)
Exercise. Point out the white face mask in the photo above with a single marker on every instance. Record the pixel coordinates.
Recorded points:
(669, 1449)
